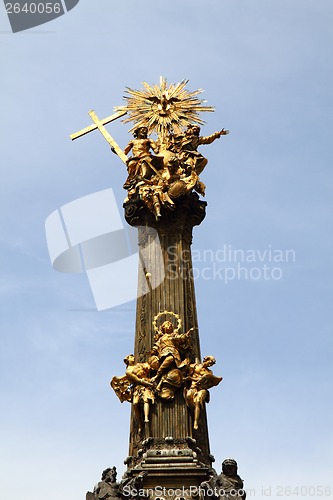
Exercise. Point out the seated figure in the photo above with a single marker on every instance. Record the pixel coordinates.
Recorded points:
(140, 165)
(229, 483)
(188, 147)
(107, 488)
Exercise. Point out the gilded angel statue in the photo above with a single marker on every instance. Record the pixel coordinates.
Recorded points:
(200, 378)
(136, 387)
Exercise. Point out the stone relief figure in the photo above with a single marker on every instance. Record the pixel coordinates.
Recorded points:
(200, 378)
(107, 487)
(168, 360)
(208, 488)
(137, 387)
(225, 486)
(229, 483)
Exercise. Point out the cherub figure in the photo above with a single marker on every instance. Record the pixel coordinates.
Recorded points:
(137, 387)
(154, 193)
(200, 378)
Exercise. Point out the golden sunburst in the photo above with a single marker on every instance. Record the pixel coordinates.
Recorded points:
(163, 108)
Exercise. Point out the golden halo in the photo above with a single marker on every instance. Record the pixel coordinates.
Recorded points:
(164, 313)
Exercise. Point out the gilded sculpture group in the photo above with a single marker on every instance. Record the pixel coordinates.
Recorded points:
(172, 171)
(167, 369)
(160, 171)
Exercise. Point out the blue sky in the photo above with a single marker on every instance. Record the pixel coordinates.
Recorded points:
(266, 66)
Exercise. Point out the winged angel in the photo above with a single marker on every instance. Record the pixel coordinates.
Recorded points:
(135, 386)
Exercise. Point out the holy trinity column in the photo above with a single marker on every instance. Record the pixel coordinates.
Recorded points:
(166, 380)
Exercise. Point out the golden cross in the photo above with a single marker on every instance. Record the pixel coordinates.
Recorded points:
(99, 124)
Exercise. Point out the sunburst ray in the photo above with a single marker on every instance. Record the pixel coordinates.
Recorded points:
(163, 108)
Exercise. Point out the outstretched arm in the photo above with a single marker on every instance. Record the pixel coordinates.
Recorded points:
(188, 333)
(211, 138)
